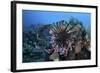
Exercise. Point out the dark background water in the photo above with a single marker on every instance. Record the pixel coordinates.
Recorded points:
(48, 17)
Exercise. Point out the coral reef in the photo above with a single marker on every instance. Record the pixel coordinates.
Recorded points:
(59, 41)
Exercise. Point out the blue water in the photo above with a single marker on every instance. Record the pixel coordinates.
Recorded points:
(48, 17)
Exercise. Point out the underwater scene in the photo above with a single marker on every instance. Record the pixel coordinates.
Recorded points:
(55, 36)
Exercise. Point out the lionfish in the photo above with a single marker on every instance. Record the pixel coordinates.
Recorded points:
(64, 34)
